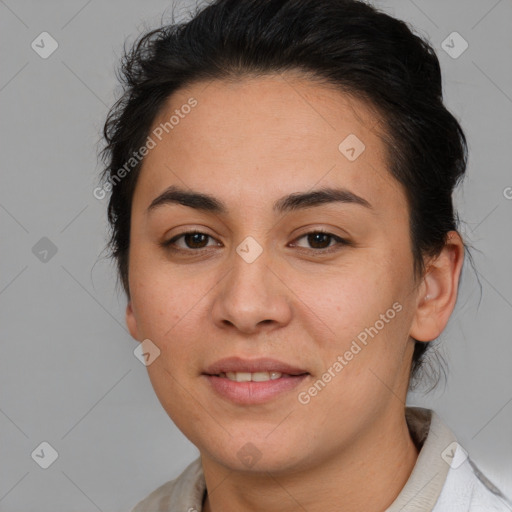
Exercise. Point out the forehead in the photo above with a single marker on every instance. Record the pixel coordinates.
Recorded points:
(260, 138)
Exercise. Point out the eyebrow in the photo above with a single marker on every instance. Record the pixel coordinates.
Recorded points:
(291, 202)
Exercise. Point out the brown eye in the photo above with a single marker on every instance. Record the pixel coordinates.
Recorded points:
(318, 240)
(192, 240)
(195, 240)
(321, 241)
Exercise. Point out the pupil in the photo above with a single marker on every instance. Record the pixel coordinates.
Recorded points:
(317, 237)
(195, 239)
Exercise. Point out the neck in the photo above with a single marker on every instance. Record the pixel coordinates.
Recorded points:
(368, 475)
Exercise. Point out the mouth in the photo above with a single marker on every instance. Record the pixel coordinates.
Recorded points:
(238, 365)
(246, 381)
(256, 376)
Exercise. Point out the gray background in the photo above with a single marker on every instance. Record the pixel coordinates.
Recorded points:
(68, 375)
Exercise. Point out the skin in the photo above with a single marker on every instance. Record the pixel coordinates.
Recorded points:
(249, 143)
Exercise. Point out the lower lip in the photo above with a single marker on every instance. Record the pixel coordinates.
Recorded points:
(254, 392)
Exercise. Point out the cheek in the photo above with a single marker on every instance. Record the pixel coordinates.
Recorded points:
(359, 315)
(163, 295)
(170, 311)
(349, 299)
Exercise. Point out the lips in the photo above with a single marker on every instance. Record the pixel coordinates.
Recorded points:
(240, 365)
(253, 381)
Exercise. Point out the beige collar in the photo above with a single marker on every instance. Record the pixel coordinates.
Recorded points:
(428, 476)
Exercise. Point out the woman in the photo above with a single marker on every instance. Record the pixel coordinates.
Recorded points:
(281, 176)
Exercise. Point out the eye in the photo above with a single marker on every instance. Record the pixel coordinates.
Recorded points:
(192, 240)
(320, 241)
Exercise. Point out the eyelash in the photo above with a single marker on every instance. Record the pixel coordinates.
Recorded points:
(169, 244)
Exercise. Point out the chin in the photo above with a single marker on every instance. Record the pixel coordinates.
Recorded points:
(258, 454)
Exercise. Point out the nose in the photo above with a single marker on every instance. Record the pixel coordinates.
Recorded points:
(252, 296)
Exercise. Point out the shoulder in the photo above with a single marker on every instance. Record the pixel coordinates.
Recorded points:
(182, 493)
(467, 489)
(444, 478)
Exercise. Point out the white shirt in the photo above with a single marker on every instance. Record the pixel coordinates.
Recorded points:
(444, 479)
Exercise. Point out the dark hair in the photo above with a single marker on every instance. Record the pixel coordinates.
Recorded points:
(344, 43)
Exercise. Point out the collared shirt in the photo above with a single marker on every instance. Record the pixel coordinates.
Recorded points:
(444, 479)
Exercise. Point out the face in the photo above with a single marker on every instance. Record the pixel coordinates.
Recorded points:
(314, 291)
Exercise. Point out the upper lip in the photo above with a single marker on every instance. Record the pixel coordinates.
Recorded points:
(238, 364)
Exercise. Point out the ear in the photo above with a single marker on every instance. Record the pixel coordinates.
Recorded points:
(131, 321)
(437, 294)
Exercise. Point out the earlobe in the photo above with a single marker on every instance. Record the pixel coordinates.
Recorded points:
(131, 321)
(438, 293)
